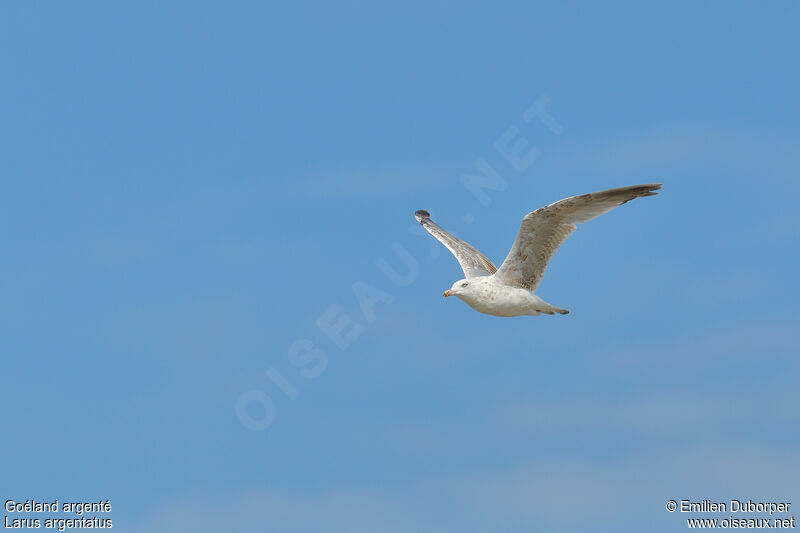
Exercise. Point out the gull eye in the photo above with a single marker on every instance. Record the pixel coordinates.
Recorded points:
(464, 284)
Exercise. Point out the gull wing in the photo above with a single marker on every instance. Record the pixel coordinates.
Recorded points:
(544, 230)
(472, 262)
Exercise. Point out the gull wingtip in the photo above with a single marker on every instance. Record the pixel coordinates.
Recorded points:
(421, 215)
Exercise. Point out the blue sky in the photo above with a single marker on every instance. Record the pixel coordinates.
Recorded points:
(185, 189)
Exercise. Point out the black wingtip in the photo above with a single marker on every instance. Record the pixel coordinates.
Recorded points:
(421, 215)
(651, 188)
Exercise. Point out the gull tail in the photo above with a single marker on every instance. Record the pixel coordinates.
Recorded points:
(549, 309)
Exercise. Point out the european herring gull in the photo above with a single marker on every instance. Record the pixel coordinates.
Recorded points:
(509, 290)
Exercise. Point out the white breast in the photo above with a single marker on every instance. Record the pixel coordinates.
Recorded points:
(501, 300)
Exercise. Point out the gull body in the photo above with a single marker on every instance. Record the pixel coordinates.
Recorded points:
(487, 295)
(509, 290)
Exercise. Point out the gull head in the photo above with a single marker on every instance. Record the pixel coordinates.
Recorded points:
(460, 288)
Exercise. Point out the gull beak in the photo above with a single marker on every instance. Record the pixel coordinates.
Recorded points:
(446, 294)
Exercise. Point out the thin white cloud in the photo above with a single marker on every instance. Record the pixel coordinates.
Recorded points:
(566, 493)
(652, 151)
(377, 181)
(581, 495)
(362, 511)
(657, 414)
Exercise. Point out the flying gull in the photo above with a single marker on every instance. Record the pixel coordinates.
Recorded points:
(509, 290)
